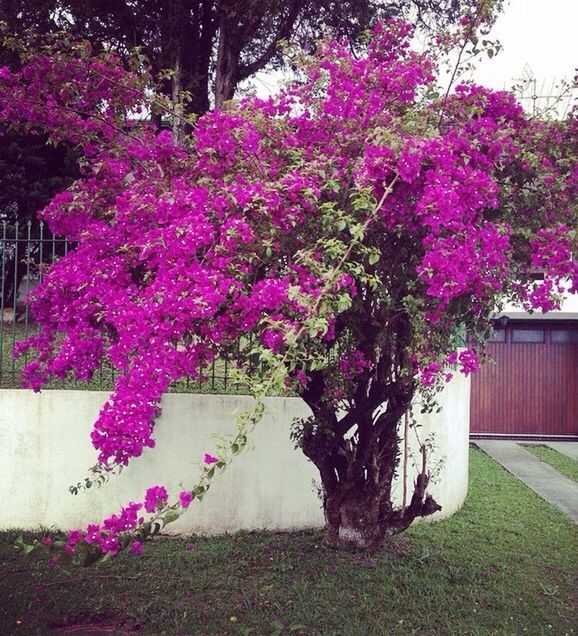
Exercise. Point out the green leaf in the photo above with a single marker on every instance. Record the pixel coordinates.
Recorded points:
(65, 558)
(277, 628)
(170, 516)
(27, 548)
(91, 556)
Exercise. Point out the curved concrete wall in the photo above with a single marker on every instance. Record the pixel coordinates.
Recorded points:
(45, 447)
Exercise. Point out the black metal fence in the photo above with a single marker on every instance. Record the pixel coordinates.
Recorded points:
(26, 250)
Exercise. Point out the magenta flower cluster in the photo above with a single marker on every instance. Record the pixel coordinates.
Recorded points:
(121, 530)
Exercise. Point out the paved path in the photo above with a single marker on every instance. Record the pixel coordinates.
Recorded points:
(566, 448)
(537, 475)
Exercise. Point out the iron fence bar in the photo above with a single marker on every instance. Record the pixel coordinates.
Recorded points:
(14, 296)
(27, 290)
(4, 224)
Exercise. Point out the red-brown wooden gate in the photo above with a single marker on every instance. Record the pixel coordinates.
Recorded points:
(532, 389)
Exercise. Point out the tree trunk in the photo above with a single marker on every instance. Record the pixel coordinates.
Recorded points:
(227, 62)
(353, 521)
(362, 520)
(357, 471)
(178, 123)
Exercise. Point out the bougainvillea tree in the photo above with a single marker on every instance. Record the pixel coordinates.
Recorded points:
(355, 227)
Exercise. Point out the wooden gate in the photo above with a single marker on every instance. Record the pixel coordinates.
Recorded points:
(532, 389)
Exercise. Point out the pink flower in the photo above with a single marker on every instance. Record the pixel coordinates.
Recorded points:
(301, 377)
(469, 361)
(110, 544)
(452, 357)
(74, 537)
(92, 533)
(185, 497)
(136, 547)
(209, 459)
(156, 498)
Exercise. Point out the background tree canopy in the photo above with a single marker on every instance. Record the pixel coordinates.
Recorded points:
(217, 43)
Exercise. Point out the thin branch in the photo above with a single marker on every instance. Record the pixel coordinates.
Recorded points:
(405, 459)
(473, 26)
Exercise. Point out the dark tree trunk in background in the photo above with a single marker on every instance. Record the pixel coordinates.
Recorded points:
(193, 31)
(226, 74)
(241, 22)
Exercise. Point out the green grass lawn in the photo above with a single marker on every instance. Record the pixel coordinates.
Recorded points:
(562, 463)
(505, 564)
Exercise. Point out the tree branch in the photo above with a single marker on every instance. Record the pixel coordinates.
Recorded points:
(284, 31)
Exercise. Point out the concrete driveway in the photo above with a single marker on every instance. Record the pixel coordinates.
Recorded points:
(537, 475)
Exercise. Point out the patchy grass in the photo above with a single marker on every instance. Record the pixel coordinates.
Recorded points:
(503, 565)
(562, 463)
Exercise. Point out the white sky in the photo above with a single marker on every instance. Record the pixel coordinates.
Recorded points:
(539, 35)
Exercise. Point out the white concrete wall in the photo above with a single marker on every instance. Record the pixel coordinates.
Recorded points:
(45, 447)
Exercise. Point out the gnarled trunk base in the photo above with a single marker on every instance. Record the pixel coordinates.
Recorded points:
(353, 524)
(364, 524)
(358, 455)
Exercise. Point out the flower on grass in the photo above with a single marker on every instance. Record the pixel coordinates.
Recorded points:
(209, 459)
(74, 537)
(136, 547)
